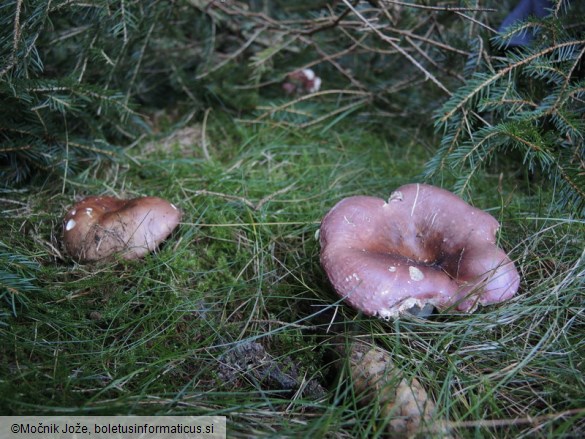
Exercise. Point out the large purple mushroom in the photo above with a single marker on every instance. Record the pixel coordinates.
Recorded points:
(423, 247)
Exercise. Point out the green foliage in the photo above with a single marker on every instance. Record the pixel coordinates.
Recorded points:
(73, 74)
(17, 278)
(151, 336)
(53, 119)
(529, 104)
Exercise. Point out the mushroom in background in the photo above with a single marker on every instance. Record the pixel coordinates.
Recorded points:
(301, 82)
(425, 246)
(98, 227)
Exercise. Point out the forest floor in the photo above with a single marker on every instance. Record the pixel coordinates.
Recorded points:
(234, 316)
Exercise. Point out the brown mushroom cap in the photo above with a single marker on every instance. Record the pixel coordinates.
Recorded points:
(424, 246)
(98, 227)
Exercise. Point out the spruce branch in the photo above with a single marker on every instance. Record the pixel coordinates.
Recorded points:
(533, 104)
(473, 88)
(17, 277)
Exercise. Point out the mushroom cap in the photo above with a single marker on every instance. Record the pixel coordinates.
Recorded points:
(98, 227)
(424, 246)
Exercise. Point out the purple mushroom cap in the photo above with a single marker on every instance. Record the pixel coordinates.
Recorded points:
(424, 246)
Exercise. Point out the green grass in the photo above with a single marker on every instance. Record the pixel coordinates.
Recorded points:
(149, 337)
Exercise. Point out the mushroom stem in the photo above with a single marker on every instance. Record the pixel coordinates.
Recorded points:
(404, 404)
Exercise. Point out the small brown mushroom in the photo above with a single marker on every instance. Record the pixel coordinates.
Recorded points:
(404, 403)
(424, 246)
(98, 227)
(302, 81)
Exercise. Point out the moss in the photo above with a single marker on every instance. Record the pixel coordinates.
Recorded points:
(243, 268)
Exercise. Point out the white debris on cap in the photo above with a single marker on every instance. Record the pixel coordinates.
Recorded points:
(70, 224)
(415, 274)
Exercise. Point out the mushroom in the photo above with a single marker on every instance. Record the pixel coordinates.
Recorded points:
(98, 227)
(403, 403)
(302, 81)
(424, 246)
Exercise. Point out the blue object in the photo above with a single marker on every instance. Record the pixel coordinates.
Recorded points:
(525, 9)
